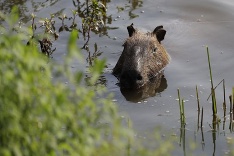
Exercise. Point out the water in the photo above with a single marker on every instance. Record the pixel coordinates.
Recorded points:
(191, 26)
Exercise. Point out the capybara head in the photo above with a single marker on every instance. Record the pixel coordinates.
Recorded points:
(142, 59)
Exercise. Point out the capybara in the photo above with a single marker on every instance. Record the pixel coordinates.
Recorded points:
(142, 59)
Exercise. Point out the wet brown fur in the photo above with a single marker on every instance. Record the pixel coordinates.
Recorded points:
(151, 59)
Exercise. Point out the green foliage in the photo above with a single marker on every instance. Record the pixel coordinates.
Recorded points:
(43, 116)
(93, 14)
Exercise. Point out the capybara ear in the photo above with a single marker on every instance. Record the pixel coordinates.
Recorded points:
(157, 28)
(131, 30)
(160, 33)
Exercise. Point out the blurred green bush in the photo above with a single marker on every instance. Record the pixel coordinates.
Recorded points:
(40, 116)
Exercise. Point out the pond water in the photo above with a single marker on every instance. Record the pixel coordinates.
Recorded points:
(191, 26)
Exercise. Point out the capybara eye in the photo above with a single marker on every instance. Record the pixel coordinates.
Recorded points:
(154, 50)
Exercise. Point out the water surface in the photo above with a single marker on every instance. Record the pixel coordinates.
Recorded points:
(191, 26)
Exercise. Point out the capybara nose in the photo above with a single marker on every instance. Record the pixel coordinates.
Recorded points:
(139, 77)
(131, 79)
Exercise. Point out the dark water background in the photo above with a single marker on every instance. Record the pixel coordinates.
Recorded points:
(191, 26)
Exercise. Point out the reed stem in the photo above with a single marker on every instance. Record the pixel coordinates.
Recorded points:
(181, 105)
(183, 114)
(178, 91)
(198, 103)
(214, 106)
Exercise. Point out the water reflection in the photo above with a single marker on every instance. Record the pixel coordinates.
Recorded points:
(156, 86)
(92, 56)
(25, 7)
(231, 113)
(203, 140)
(101, 81)
(134, 5)
(215, 126)
(94, 18)
(7, 5)
(182, 137)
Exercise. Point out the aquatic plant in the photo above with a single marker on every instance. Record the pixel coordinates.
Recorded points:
(181, 106)
(45, 39)
(215, 120)
(214, 106)
(92, 13)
